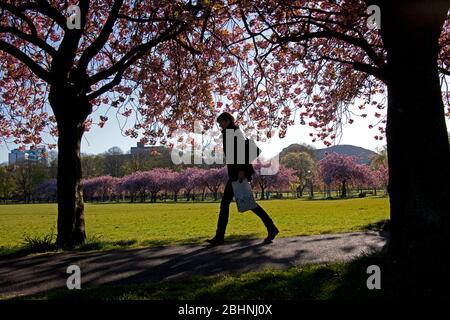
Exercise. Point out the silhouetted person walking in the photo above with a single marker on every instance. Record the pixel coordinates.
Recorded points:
(237, 172)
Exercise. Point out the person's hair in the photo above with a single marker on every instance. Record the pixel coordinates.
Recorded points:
(225, 116)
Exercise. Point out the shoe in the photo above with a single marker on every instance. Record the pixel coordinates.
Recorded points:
(215, 242)
(272, 234)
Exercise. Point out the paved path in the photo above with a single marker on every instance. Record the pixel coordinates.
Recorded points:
(35, 274)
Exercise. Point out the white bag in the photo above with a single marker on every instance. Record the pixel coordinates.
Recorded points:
(243, 195)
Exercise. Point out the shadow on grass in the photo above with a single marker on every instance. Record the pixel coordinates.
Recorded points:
(97, 244)
(336, 281)
(352, 197)
(180, 202)
(46, 244)
(195, 240)
(30, 245)
(382, 225)
(307, 282)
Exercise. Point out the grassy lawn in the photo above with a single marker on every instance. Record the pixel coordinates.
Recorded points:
(132, 225)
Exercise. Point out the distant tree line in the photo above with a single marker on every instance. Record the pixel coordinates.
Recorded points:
(115, 176)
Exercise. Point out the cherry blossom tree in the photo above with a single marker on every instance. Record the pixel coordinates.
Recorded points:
(325, 60)
(282, 179)
(175, 182)
(190, 177)
(141, 52)
(100, 187)
(364, 177)
(338, 168)
(201, 183)
(214, 178)
(382, 177)
(155, 180)
(319, 60)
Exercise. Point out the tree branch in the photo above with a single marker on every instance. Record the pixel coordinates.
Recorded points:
(19, 55)
(15, 11)
(187, 47)
(133, 55)
(45, 8)
(330, 34)
(444, 71)
(33, 39)
(63, 62)
(105, 88)
(363, 67)
(98, 44)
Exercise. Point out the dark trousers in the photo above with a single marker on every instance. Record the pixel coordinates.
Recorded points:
(225, 212)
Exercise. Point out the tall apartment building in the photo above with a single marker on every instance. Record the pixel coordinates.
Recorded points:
(38, 155)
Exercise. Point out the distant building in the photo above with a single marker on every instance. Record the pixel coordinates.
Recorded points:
(142, 149)
(38, 154)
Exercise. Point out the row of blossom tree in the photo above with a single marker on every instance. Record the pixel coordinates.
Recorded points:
(335, 171)
(144, 185)
(340, 171)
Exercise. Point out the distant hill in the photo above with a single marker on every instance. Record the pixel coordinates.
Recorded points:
(363, 155)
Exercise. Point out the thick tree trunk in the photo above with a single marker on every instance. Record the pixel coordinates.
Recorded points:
(71, 229)
(418, 147)
(70, 114)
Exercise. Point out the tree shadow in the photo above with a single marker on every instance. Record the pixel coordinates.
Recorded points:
(38, 274)
(92, 244)
(382, 225)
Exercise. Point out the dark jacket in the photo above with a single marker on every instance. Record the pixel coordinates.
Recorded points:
(234, 168)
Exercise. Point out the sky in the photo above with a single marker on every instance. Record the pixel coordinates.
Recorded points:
(99, 140)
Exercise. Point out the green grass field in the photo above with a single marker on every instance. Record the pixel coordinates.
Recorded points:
(149, 224)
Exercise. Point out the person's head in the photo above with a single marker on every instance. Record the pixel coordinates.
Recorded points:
(224, 120)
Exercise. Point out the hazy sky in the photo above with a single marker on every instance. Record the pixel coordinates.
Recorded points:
(99, 140)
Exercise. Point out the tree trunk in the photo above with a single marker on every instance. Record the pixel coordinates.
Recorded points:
(344, 189)
(70, 113)
(302, 188)
(71, 229)
(418, 180)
